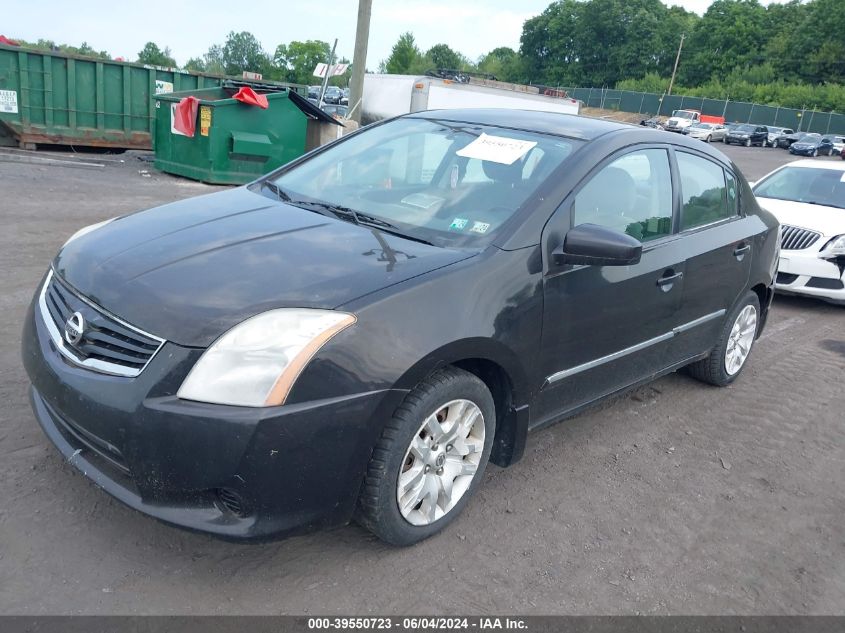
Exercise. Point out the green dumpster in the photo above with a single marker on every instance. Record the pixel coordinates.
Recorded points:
(233, 142)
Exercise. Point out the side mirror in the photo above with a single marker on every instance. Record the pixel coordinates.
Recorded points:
(594, 245)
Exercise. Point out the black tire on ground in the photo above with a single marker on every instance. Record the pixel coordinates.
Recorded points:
(748, 142)
(815, 153)
(378, 508)
(708, 139)
(712, 369)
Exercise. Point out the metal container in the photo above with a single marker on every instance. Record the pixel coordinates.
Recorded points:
(233, 142)
(53, 98)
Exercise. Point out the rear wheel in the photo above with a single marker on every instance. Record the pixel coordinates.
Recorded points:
(729, 355)
(429, 459)
(709, 138)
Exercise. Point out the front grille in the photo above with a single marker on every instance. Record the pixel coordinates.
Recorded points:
(793, 238)
(232, 501)
(106, 344)
(786, 278)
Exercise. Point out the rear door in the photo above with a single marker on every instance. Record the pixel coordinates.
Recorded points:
(717, 240)
(606, 327)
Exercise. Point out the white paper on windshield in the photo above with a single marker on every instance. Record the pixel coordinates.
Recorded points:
(497, 149)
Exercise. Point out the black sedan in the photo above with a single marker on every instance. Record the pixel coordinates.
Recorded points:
(812, 145)
(748, 134)
(358, 333)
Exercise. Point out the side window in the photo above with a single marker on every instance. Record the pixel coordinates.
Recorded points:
(633, 194)
(704, 191)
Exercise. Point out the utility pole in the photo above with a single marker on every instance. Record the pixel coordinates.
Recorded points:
(328, 74)
(359, 59)
(675, 69)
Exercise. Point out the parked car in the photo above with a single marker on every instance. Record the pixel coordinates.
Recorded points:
(360, 331)
(812, 145)
(747, 134)
(654, 122)
(333, 95)
(838, 144)
(707, 132)
(314, 92)
(842, 153)
(344, 97)
(808, 198)
(337, 111)
(785, 140)
(775, 133)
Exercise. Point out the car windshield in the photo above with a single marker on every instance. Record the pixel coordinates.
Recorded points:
(446, 182)
(702, 126)
(803, 184)
(745, 128)
(684, 114)
(809, 138)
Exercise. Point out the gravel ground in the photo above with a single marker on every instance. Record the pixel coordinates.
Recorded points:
(676, 498)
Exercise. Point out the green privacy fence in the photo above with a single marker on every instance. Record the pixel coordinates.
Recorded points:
(651, 104)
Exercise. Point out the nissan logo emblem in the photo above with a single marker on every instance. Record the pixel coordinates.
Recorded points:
(74, 328)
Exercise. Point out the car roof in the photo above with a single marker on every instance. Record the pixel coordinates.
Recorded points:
(570, 125)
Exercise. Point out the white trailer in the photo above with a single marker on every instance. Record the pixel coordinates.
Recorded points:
(391, 95)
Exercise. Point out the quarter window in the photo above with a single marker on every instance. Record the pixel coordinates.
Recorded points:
(705, 194)
(633, 194)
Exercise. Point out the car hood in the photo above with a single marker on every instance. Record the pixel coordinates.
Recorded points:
(190, 270)
(828, 221)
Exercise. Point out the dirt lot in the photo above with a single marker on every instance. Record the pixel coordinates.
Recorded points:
(677, 498)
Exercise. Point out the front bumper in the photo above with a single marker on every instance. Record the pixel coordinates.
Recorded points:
(291, 468)
(808, 274)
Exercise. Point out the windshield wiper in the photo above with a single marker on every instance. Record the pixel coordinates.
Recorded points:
(276, 189)
(363, 219)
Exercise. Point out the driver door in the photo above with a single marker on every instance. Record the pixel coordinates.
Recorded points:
(607, 327)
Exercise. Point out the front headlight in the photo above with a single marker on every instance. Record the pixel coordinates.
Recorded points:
(834, 248)
(87, 229)
(256, 362)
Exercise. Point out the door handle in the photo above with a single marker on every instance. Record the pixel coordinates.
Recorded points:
(666, 281)
(740, 251)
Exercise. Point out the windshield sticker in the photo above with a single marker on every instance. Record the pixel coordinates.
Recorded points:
(479, 227)
(421, 200)
(458, 224)
(497, 149)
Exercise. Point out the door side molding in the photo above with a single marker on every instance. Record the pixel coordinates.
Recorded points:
(565, 373)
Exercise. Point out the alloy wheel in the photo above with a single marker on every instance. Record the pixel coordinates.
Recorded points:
(740, 339)
(441, 462)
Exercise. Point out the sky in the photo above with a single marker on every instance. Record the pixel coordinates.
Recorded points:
(189, 27)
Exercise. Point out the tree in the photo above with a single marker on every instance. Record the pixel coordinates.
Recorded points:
(195, 64)
(443, 57)
(213, 61)
(405, 58)
(298, 59)
(243, 52)
(154, 56)
(504, 63)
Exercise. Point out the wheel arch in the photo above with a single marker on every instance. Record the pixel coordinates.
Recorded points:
(502, 373)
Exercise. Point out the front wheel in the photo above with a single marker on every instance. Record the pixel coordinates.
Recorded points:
(708, 139)
(429, 459)
(748, 142)
(815, 153)
(732, 349)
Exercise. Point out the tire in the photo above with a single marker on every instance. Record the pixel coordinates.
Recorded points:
(714, 369)
(725, 141)
(815, 153)
(748, 142)
(708, 139)
(378, 507)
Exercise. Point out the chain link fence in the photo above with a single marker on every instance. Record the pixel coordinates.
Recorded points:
(650, 104)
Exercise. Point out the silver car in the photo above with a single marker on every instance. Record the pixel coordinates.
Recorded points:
(707, 131)
(775, 133)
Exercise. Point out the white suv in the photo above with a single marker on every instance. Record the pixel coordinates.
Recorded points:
(808, 198)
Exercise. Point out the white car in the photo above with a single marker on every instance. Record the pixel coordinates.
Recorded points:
(808, 198)
(707, 131)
